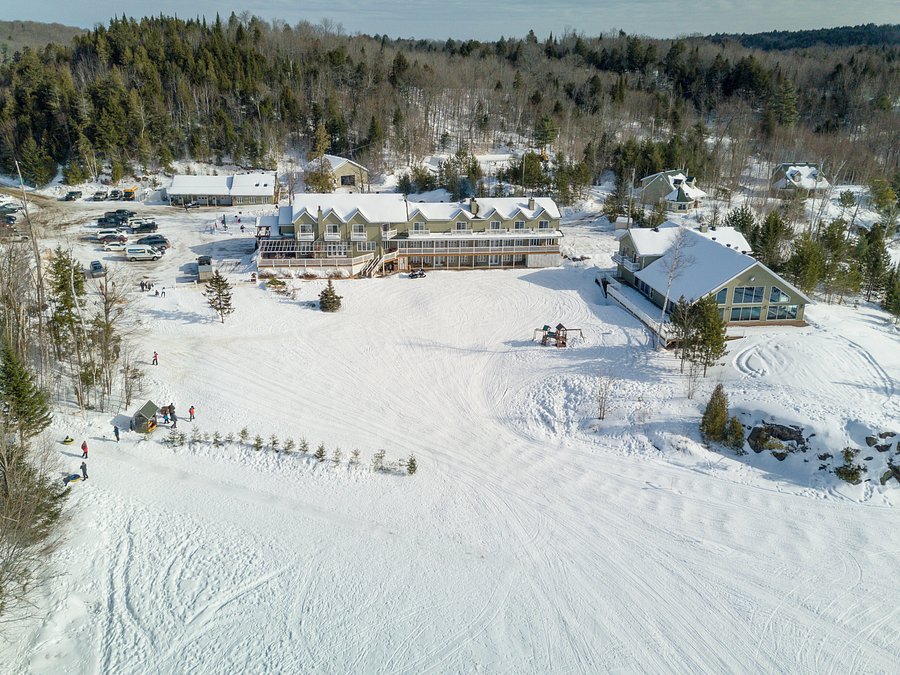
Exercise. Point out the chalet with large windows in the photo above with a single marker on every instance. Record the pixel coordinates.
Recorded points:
(714, 261)
(369, 234)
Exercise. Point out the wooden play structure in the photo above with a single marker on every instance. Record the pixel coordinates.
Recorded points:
(559, 337)
(144, 420)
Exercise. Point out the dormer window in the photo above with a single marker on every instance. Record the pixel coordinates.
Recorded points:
(495, 224)
(520, 224)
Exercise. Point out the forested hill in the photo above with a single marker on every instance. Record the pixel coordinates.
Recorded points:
(16, 35)
(142, 93)
(869, 34)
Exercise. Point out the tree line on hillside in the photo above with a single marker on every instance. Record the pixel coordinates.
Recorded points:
(140, 94)
(843, 36)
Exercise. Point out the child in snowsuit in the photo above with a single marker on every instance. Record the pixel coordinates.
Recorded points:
(116, 433)
(84, 470)
(84, 450)
(155, 359)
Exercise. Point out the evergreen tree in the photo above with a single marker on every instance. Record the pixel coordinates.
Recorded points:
(806, 266)
(892, 294)
(545, 131)
(874, 261)
(411, 465)
(734, 435)
(715, 417)
(769, 240)
(218, 295)
(784, 104)
(709, 343)
(683, 321)
(742, 219)
(258, 443)
(329, 300)
(38, 168)
(24, 407)
(319, 454)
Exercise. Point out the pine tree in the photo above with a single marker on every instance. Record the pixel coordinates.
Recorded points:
(715, 417)
(38, 168)
(709, 344)
(329, 300)
(874, 260)
(319, 454)
(806, 266)
(218, 295)
(244, 435)
(289, 445)
(304, 446)
(24, 407)
(770, 239)
(258, 443)
(378, 461)
(273, 442)
(734, 435)
(742, 219)
(411, 465)
(892, 294)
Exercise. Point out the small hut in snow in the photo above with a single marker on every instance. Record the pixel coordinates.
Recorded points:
(144, 420)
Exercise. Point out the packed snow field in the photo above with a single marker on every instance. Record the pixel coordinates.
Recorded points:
(533, 538)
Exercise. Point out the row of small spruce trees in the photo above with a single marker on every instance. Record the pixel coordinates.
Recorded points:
(178, 438)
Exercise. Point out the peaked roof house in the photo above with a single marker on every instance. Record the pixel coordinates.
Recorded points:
(714, 262)
(676, 189)
(347, 174)
(799, 176)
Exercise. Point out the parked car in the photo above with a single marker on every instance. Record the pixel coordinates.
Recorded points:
(141, 228)
(110, 230)
(115, 194)
(134, 253)
(110, 238)
(126, 213)
(155, 240)
(72, 195)
(9, 219)
(9, 208)
(97, 269)
(192, 205)
(109, 222)
(100, 196)
(115, 246)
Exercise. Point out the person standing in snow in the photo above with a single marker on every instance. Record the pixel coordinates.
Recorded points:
(116, 433)
(84, 470)
(191, 414)
(174, 420)
(84, 450)
(155, 359)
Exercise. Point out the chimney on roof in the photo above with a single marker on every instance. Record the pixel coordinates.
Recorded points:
(473, 206)
(531, 203)
(703, 227)
(319, 215)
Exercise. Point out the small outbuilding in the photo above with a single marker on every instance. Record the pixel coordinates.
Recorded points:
(144, 420)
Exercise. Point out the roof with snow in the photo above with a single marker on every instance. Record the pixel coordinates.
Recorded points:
(804, 176)
(680, 186)
(706, 265)
(685, 193)
(650, 242)
(376, 208)
(394, 208)
(335, 162)
(240, 185)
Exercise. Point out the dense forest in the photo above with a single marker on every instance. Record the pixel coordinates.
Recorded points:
(138, 94)
(869, 34)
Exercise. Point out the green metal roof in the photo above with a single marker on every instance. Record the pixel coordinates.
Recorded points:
(148, 410)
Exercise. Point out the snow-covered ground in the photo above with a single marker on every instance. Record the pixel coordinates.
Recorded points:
(533, 538)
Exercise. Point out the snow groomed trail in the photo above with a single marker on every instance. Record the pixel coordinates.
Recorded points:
(525, 543)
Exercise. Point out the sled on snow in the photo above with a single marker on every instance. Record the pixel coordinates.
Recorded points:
(68, 440)
(72, 478)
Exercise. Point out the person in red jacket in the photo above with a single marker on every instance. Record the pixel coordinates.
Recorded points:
(191, 413)
(84, 450)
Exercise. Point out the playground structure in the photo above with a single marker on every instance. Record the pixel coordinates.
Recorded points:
(559, 337)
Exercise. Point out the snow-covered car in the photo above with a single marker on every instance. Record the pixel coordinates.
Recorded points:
(115, 246)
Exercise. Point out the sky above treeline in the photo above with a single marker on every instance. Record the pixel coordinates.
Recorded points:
(491, 19)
